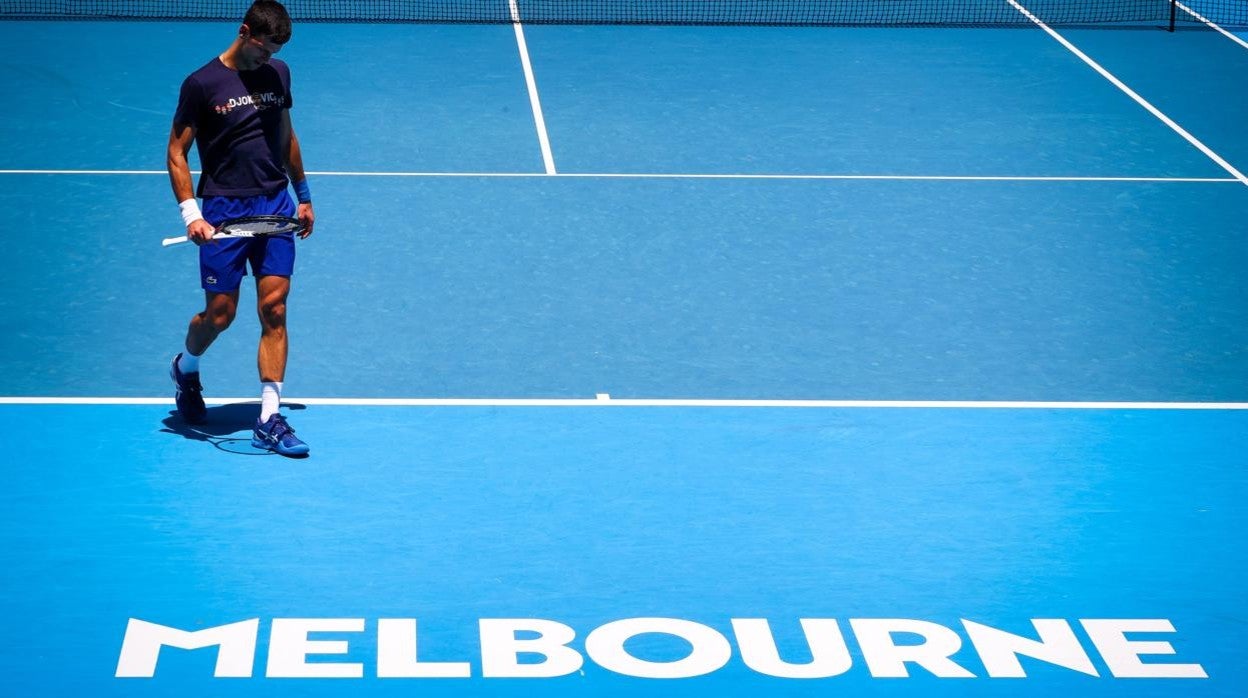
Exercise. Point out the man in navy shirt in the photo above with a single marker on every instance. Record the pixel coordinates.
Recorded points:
(235, 110)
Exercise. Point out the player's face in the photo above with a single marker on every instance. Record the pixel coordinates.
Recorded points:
(257, 50)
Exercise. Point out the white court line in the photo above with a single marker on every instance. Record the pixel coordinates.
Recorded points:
(604, 400)
(627, 175)
(1133, 95)
(1212, 25)
(548, 159)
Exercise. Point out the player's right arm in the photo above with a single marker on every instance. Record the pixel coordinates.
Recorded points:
(181, 136)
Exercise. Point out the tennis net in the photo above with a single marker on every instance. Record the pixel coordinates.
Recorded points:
(763, 12)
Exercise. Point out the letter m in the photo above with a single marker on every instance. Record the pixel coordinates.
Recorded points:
(235, 643)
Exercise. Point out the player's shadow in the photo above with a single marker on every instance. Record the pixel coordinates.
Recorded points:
(227, 427)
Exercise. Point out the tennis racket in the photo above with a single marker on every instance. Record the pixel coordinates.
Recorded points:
(248, 227)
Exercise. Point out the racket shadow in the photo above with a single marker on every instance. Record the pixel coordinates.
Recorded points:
(226, 427)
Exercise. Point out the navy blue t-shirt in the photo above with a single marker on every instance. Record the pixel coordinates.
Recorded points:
(238, 120)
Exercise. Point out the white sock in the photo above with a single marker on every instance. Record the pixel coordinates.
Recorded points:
(270, 400)
(189, 363)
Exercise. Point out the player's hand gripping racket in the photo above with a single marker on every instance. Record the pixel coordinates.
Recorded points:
(248, 227)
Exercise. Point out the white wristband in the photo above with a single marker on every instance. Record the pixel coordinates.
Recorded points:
(190, 211)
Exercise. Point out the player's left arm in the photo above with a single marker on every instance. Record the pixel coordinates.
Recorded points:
(294, 168)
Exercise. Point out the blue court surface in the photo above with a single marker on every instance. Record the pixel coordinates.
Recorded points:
(692, 361)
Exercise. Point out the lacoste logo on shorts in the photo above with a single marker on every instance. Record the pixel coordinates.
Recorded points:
(210, 279)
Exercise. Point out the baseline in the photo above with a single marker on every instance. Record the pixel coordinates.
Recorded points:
(605, 400)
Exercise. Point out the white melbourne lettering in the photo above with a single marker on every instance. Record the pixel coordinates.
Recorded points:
(541, 648)
(235, 643)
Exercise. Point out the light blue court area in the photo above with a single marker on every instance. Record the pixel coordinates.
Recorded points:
(585, 516)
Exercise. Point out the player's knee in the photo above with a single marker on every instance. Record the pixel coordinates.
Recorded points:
(273, 314)
(219, 317)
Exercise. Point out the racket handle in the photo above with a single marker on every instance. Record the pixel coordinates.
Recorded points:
(174, 241)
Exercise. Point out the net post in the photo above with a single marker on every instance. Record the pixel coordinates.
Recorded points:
(1174, 6)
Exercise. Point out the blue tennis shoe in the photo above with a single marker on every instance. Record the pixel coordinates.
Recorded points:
(277, 436)
(188, 394)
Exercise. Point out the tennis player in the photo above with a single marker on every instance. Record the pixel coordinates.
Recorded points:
(236, 110)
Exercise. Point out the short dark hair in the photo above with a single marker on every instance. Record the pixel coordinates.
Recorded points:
(268, 18)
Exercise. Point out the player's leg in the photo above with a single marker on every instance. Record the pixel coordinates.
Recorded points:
(222, 265)
(272, 432)
(273, 262)
(271, 294)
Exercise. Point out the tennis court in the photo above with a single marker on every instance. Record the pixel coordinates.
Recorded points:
(926, 345)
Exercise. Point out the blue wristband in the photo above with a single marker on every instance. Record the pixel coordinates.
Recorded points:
(303, 192)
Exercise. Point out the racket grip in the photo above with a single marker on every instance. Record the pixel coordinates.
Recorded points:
(174, 241)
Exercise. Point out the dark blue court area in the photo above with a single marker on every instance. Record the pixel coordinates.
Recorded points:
(644, 360)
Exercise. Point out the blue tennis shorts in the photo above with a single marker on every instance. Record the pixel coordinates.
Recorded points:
(223, 264)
